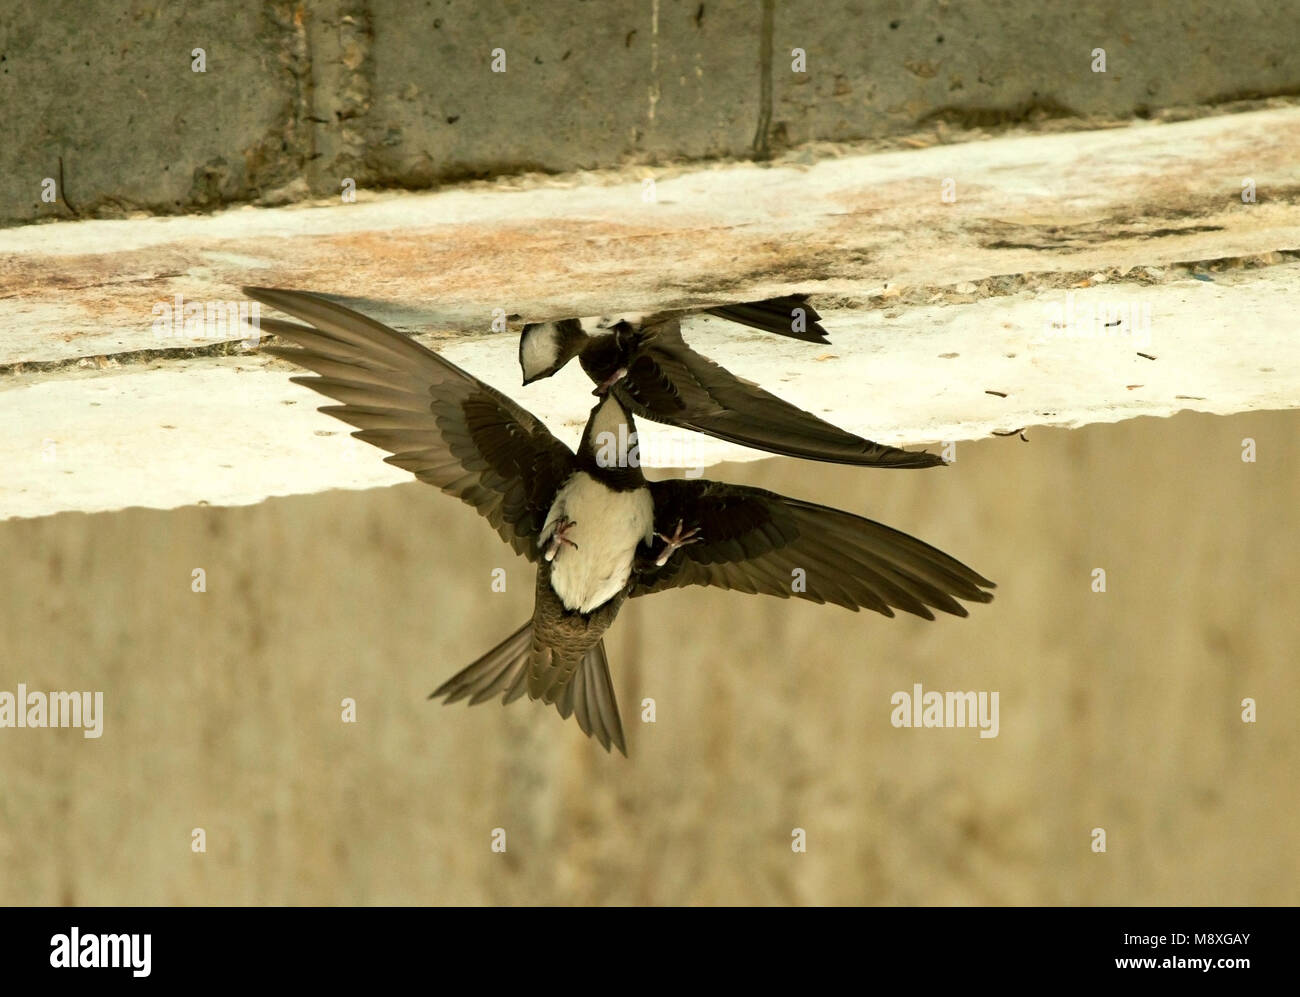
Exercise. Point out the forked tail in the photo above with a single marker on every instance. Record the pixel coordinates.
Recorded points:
(588, 693)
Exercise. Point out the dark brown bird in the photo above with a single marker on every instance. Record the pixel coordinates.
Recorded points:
(597, 530)
(648, 365)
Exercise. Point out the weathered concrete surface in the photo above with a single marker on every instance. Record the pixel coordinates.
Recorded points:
(881, 68)
(299, 96)
(1119, 710)
(1075, 203)
(233, 430)
(109, 89)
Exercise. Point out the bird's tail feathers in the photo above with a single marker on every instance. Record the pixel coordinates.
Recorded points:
(584, 691)
(502, 670)
(778, 315)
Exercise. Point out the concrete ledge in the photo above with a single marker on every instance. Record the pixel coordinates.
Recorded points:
(1063, 260)
(855, 226)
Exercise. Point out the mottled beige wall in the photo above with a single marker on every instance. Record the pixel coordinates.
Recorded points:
(1118, 710)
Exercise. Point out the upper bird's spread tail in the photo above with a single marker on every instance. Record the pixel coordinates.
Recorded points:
(583, 690)
(791, 316)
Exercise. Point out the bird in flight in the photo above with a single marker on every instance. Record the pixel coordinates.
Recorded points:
(654, 374)
(597, 530)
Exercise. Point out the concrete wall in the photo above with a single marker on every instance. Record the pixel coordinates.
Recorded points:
(394, 93)
(1118, 710)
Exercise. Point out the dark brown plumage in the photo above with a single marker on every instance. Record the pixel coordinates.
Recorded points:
(656, 375)
(775, 315)
(557, 657)
(669, 382)
(453, 431)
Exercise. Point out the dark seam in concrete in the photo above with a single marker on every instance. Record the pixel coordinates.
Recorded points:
(762, 146)
(63, 192)
(225, 348)
(358, 134)
(1006, 285)
(306, 102)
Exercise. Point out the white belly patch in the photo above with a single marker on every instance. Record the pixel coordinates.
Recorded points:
(610, 524)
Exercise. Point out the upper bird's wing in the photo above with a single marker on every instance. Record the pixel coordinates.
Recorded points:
(443, 425)
(760, 542)
(778, 315)
(669, 382)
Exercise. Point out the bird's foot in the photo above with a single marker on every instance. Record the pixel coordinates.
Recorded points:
(560, 538)
(602, 389)
(678, 539)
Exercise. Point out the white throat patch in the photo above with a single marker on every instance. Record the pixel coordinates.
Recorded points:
(610, 418)
(539, 349)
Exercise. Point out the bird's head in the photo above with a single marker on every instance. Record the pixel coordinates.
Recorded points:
(545, 347)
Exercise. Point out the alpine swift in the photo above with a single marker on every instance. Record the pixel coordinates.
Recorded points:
(648, 365)
(597, 530)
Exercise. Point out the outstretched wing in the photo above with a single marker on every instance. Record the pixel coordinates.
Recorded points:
(443, 425)
(669, 382)
(760, 542)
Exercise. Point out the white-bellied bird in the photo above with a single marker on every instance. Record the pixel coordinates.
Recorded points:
(597, 530)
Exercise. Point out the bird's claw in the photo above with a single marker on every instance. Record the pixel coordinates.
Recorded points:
(560, 538)
(677, 540)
